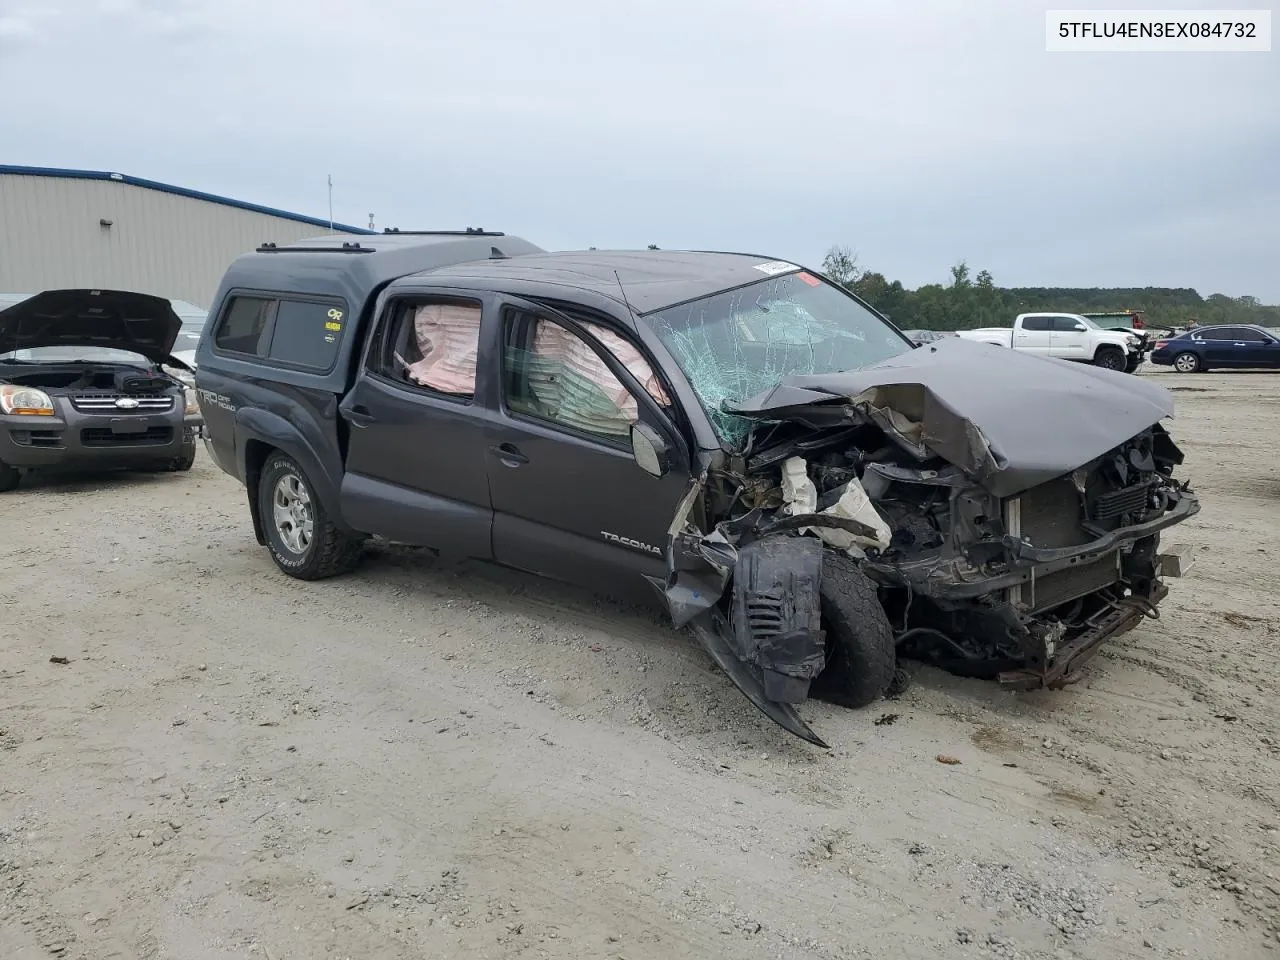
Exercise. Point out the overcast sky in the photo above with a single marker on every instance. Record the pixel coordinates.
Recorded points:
(917, 132)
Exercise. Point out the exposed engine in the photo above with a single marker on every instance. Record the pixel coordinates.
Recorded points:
(978, 584)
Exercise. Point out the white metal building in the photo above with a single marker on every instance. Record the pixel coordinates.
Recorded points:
(84, 228)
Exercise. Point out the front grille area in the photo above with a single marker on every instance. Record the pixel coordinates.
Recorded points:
(106, 403)
(105, 437)
(1073, 583)
(37, 438)
(1109, 506)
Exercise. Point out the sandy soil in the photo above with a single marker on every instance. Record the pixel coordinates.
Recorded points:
(419, 762)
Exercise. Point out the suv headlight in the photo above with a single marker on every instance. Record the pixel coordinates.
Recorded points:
(192, 407)
(25, 400)
(1133, 341)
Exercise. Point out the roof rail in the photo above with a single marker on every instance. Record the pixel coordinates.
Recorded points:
(469, 232)
(347, 247)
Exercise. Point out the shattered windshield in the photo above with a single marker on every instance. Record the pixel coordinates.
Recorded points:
(736, 344)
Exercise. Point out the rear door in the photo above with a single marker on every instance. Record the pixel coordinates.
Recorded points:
(416, 461)
(569, 499)
(1034, 335)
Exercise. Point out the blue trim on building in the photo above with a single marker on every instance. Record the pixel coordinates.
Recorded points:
(21, 171)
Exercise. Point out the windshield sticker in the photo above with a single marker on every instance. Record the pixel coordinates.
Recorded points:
(775, 267)
(810, 279)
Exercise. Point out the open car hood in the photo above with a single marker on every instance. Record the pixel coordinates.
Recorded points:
(116, 319)
(1009, 420)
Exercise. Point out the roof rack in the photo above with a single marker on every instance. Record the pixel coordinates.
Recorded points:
(469, 232)
(347, 247)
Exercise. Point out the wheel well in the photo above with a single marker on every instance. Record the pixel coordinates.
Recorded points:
(1104, 348)
(255, 455)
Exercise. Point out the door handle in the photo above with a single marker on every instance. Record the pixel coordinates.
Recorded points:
(509, 454)
(359, 416)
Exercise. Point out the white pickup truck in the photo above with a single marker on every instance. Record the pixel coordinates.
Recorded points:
(1067, 336)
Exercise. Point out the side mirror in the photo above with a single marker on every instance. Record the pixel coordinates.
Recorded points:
(1080, 328)
(650, 450)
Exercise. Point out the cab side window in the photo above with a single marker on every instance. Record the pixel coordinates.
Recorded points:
(432, 344)
(1037, 323)
(1064, 324)
(552, 374)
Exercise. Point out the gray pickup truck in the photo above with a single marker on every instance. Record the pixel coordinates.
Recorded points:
(730, 435)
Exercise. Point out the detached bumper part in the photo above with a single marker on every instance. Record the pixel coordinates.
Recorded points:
(777, 616)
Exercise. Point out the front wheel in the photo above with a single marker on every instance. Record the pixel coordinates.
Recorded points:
(861, 654)
(303, 541)
(9, 477)
(1186, 363)
(1109, 358)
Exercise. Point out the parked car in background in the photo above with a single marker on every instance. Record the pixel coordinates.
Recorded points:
(737, 437)
(193, 319)
(1064, 336)
(921, 337)
(83, 385)
(1225, 347)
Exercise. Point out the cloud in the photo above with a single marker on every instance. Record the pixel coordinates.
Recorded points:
(918, 132)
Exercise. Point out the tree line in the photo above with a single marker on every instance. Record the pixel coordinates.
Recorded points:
(969, 301)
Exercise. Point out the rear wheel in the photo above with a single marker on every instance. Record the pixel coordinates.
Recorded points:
(1186, 363)
(303, 541)
(1109, 358)
(9, 477)
(861, 656)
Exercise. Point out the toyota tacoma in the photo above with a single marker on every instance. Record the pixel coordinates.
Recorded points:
(734, 436)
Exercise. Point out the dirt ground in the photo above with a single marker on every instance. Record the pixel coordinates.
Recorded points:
(418, 761)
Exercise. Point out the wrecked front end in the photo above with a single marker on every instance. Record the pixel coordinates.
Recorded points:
(1007, 537)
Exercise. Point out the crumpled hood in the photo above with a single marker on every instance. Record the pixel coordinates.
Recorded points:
(116, 319)
(1010, 420)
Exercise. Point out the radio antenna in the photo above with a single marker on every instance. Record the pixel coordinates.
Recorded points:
(624, 294)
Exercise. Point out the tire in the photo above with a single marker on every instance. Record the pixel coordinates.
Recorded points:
(1187, 362)
(1109, 358)
(326, 551)
(184, 463)
(9, 477)
(1132, 365)
(861, 655)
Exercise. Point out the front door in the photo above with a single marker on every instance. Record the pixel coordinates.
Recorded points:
(1070, 339)
(1224, 348)
(416, 461)
(569, 500)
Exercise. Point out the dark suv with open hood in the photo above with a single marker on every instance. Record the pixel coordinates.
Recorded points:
(87, 382)
(795, 480)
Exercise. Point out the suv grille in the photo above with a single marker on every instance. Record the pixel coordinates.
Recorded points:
(104, 437)
(106, 403)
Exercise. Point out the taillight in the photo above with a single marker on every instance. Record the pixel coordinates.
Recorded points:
(1161, 344)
